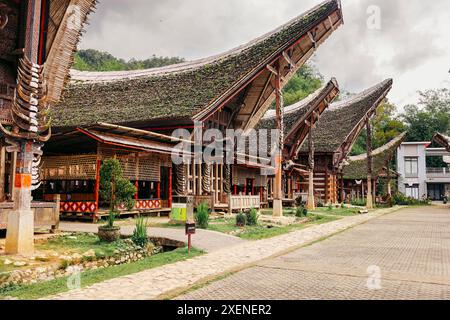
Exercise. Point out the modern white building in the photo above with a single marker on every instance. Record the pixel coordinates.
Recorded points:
(415, 178)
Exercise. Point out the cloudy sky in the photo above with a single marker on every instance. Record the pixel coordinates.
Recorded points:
(411, 45)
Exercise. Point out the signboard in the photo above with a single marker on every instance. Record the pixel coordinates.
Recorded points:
(190, 228)
(179, 212)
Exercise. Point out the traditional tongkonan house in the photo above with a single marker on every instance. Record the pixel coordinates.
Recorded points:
(442, 140)
(335, 134)
(355, 172)
(38, 41)
(229, 91)
(298, 118)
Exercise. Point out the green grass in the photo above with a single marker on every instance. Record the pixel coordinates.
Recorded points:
(286, 211)
(344, 212)
(81, 243)
(90, 277)
(262, 231)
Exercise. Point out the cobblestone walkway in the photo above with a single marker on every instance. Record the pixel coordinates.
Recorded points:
(208, 241)
(405, 255)
(153, 283)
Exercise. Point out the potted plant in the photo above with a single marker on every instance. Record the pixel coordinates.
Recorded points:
(117, 190)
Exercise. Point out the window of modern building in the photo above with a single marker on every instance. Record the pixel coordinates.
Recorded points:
(412, 167)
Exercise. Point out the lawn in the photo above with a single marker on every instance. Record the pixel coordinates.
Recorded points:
(344, 212)
(80, 243)
(262, 231)
(90, 277)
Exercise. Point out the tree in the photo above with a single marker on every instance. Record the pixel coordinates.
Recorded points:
(386, 126)
(114, 188)
(306, 81)
(431, 115)
(94, 60)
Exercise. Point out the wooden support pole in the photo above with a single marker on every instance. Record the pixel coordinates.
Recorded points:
(158, 190)
(169, 196)
(310, 203)
(97, 185)
(2, 172)
(369, 204)
(278, 192)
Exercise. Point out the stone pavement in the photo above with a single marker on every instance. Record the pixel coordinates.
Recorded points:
(405, 255)
(153, 283)
(206, 240)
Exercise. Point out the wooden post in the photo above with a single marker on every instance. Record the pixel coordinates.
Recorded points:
(97, 185)
(169, 200)
(369, 204)
(278, 192)
(235, 189)
(342, 188)
(374, 191)
(136, 195)
(158, 190)
(310, 203)
(2, 172)
(12, 175)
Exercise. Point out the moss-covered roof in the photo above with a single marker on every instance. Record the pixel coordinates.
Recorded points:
(442, 140)
(341, 118)
(178, 91)
(357, 166)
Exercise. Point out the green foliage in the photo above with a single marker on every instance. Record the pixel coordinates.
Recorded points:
(202, 216)
(301, 212)
(402, 200)
(112, 215)
(140, 237)
(241, 219)
(252, 217)
(320, 205)
(330, 207)
(114, 187)
(358, 202)
(306, 81)
(342, 205)
(94, 60)
(385, 125)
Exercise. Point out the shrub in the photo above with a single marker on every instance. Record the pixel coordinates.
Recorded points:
(241, 219)
(140, 237)
(402, 200)
(301, 212)
(202, 216)
(252, 217)
(342, 205)
(112, 215)
(330, 207)
(320, 205)
(358, 202)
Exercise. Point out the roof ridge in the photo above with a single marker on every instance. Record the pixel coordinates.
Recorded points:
(381, 149)
(115, 76)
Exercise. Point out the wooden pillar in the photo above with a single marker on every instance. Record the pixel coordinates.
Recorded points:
(342, 188)
(136, 185)
(12, 174)
(2, 172)
(169, 195)
(158, 190)
(278, 192)
(261, 194)
(369, 204)
(235, 189)
(327, 189)
(97, 185)
(375, 191)
(253, 187)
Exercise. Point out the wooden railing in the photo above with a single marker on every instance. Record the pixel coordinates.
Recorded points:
(243, 202)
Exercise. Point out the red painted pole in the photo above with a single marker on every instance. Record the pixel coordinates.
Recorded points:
(235, 190)
(158, 190)
(136, 195)
(97, 185)
(170, 189)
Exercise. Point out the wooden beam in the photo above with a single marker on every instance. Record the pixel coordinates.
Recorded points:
(272, 69)
(288, 59)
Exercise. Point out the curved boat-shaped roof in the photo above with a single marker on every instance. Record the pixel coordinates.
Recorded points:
(357, 165)
(343, 121)
(190, 90)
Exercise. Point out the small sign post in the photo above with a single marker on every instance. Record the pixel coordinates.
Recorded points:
(190, 230)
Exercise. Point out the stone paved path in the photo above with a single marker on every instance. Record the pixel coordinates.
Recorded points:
(409, 250)
(208, 241)
(153, 283)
